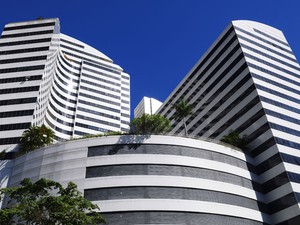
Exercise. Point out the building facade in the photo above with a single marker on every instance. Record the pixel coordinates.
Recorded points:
(50, 78)
(147, 106)
(249, 81)
(152, 180)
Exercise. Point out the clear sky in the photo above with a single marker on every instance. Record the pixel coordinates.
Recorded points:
(156, 41)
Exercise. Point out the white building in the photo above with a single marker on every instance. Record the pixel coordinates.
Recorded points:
(151, 180)
(49, 78)
(147, 106)
(249, 81)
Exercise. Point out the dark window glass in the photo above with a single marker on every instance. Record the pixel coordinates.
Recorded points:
(101, 73)
(268, 164)
(279, 104)
(277, 93)
(19, 90)
(165, 150)
(62, 105)
(272, 73)
(65, 90)
(274, 183)
(97, 98)
(18, 51)
(282, 116)
(84, 53)
(20, 79)
(33, 41)
(285, 129)
(29, 26)
(282, 203)
(8, 141)
(15, 126)
(175, 218)
(58, 128)
(276, 83)
(100, 85)
(262, 147)
(91, 61)
(27, 34)
(97, 105)
(263, 40)
(166, 170)
(72, 43)
(20, 69)
(59, 120)
(257, 132)
(168, 193)
(267, 48)
(17, 101)
(291, 221)
(272, 65)
(270, 57)
(98, 121)
(16, 113)
(98, 113)
(294, 177)
(103, 67)
(100, 79)
(271, 37)
(60, 112)
(90, 127)
(290, 159)
(27, 59)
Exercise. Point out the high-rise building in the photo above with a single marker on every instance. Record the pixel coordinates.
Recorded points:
(47, 77)
(147, 106)
(249, 81)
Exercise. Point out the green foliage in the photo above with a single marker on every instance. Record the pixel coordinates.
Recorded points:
(150, 124)
(183, 110)
(36, 137)
(111, 133)
(233, 138)
(2, 154)
(47, 202)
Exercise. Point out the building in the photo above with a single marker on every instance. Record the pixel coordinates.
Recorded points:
(47, 77)
(147, 106)
(152, 180)
(248, 81)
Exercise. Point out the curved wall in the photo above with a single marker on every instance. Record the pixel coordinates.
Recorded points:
(152, 179)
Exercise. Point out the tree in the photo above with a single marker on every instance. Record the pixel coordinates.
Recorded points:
(150, 124)
(183, 110)
(36, 137)
(233, 138)
(47, 202)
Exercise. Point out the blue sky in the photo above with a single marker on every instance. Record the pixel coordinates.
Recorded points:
(156, 41)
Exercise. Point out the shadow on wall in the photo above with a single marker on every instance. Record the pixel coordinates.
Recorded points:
(132, 141)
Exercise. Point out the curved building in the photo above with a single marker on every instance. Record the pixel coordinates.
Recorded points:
(49, 78)
(152, 179)
(249, 81)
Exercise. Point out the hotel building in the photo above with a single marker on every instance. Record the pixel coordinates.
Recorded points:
(248, 81)
(47, 77)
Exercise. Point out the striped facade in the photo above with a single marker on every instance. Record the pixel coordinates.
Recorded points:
(49, 78)
(152, 180)
(248, 81)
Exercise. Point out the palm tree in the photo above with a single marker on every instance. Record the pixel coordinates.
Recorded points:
(182, 110)
(36, 137)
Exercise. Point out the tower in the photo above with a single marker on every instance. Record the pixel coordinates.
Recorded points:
(147, 106)
(248, 81)
(47, 77)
